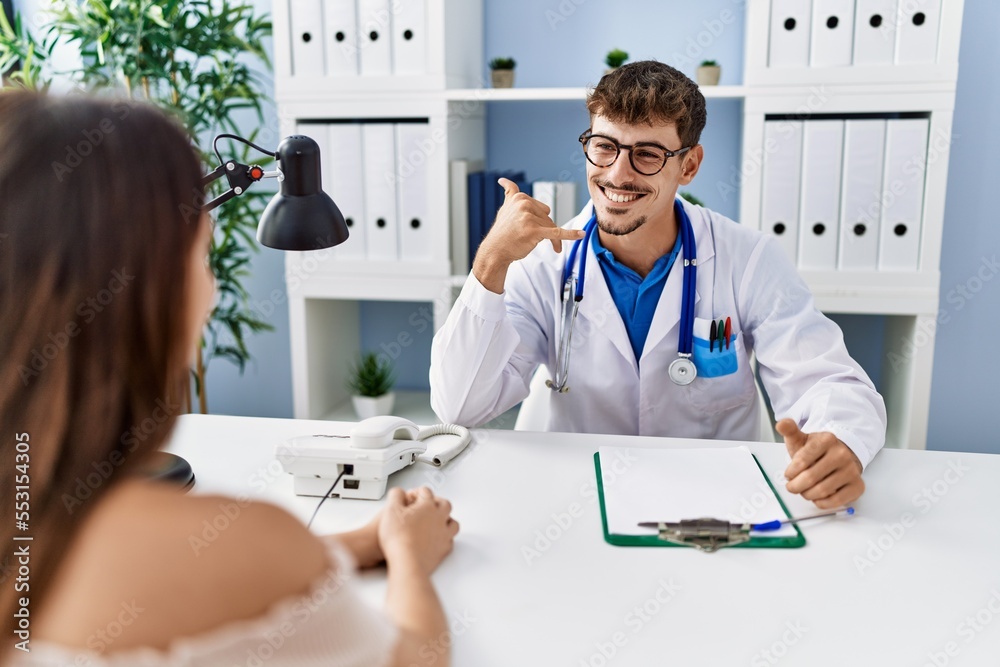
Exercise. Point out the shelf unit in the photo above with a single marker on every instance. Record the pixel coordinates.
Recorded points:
(909, 299)
(324, 290)
(324, 293)
(571, 94)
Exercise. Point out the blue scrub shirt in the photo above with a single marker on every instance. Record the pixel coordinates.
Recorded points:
(634, 296)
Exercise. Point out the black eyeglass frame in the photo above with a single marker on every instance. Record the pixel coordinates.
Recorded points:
(588, 135)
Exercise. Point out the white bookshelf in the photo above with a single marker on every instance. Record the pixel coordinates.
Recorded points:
(908, 299)
(572, 94)
(451, 96)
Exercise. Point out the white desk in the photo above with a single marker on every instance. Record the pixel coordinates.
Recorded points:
(900, 583)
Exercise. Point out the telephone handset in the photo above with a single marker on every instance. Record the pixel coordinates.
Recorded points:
(363, 460)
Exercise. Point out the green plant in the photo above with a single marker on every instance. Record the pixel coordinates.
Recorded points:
(21, 55)
(371, 376)
(615, 58)
(191, 58)
(708, 63)
(691, 198)
(503, 63)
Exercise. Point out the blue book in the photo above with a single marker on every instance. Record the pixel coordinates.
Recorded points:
(492, 199)
(476, 208)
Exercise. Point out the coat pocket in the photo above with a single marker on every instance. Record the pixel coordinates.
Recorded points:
(724, 379)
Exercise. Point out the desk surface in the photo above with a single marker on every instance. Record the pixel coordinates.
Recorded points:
(913, 579)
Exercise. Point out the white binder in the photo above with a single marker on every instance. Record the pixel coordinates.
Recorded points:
(875, 32)
(307, 38)
(458, 215)
(347, 187)
(781, 183)
(918, 24)
(822, 162)
(789, 43)
(565, 202)
(411, 191)
(341, 37)
(545, 192)
(409, 37)
(832, 33)
(903, 183)
(381, 223)
(861, 202)
(375, 26)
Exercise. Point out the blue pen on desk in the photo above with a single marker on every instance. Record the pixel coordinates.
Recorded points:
(778, 523)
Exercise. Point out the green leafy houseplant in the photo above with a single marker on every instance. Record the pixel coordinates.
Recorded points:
(371, 376)
(708, 63)
(503, 63)
(191, 58)
(615, 58)
(691, 198)
(370, 381)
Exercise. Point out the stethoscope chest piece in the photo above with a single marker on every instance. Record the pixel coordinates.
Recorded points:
(682, 371)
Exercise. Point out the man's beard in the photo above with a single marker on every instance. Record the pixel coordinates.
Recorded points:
(620, 229)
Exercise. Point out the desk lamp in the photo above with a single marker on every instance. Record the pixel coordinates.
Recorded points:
(299, 217)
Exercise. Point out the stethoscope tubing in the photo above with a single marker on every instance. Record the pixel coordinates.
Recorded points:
(685, 342)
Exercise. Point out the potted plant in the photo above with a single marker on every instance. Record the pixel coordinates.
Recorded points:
(709, 73)
(370, 383)
(196, 60)
(502, 71)
(615, 59)
(691, 198)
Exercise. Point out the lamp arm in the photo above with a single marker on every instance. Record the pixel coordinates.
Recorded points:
(240, 177)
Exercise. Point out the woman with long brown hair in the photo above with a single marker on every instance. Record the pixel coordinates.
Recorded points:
(104, 290)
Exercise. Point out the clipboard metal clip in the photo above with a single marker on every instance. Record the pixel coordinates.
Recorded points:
(708, 535)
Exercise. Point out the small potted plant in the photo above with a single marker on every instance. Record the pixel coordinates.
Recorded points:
(691, 198)
(370, 382)
(709, 73)
(615, 59)
(502, 70)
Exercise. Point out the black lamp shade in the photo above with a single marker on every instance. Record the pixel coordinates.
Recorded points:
(301, 216)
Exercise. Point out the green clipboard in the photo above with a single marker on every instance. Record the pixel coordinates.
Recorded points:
(790, 542)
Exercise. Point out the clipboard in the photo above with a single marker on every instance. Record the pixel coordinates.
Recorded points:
(652, 540)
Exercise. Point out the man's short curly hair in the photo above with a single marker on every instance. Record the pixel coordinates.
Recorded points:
(650, 92)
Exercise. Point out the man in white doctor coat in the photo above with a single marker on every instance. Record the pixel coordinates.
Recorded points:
(646, 120)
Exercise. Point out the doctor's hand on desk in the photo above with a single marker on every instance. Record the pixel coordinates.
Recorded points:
(521, 224)
(823, 469)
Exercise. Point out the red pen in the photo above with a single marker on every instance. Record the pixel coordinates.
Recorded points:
(729, 331)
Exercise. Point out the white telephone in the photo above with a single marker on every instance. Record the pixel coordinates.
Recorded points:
(363, 461)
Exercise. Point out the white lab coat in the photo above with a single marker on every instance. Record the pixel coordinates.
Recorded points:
(484, 356)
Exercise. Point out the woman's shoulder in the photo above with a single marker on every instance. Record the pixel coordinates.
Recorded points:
(182, 564)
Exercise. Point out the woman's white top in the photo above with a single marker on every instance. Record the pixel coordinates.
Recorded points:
(330, 625)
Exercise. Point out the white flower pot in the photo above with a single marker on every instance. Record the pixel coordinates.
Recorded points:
(503, 78)
(709, 75)
(373, 406)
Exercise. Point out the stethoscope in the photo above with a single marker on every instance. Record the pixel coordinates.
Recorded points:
(682, 370)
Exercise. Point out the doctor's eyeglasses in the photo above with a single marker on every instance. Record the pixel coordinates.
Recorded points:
(647, 158)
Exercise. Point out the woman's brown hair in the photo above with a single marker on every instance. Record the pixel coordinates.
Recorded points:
(100, 205)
